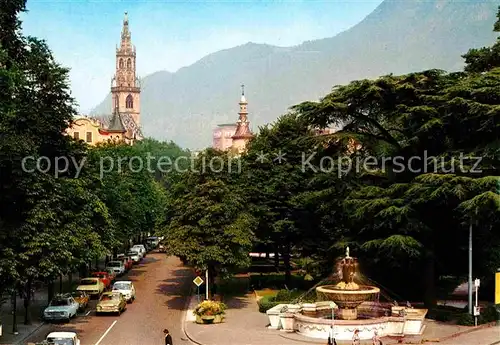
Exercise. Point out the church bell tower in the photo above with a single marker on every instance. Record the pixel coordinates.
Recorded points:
(125, 87)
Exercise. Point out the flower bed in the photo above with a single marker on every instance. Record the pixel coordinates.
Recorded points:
(210, 312)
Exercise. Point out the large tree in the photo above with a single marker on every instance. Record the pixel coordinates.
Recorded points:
(209, 226)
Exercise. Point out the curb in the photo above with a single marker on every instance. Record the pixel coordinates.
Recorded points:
(467, 331)
(184, 319)
(36, 329)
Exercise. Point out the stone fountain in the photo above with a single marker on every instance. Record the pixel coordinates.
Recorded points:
(348, 295)
(338, 315)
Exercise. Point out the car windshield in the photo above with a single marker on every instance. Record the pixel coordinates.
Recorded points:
(109, 297)
(121, 286)
(77, 294)
(60, 341)
(132, 253)
(88, 282)
(114, 264)
(59, 302)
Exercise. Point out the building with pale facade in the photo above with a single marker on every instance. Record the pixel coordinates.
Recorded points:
(124, 122)
(223, 136)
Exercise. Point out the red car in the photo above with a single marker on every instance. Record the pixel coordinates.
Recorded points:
(127, 262)
(104, 277)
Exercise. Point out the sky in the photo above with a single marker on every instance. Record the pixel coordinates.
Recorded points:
(169, 35)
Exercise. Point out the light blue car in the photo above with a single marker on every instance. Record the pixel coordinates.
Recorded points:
(62, 307)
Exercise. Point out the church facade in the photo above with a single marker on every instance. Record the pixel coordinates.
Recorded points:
(123, 124)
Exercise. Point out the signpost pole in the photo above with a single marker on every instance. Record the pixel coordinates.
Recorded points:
(198, 281)
(477, 282)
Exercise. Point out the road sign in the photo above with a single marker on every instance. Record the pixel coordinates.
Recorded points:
(477, 311)
(198, 281)
(497, 288)
(477, 283)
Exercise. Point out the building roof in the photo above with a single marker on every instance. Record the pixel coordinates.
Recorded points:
(116, 124)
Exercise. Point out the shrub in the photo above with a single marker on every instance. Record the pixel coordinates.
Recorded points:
(440, 315)
(465, 319)
(489, 314)
(266, 303)
(210, 308)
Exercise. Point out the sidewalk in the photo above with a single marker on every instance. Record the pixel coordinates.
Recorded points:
(36, 308)
(244, 325)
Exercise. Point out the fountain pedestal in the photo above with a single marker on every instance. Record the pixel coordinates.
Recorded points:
(348, 314)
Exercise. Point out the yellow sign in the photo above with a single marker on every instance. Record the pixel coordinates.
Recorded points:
(198, 281)
(497, 288)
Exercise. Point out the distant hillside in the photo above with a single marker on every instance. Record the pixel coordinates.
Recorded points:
(397, 37)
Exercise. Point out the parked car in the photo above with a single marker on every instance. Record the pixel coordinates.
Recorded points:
(62, 307)
(111, 273)
(104, 277)
(62, 338)
(92, 286)
(81, 298)
(153, 241)
(111, 302)
(135, 256)
(126, 288)
(127, 262)
(140, 248)
(162, 248)
(117, 266)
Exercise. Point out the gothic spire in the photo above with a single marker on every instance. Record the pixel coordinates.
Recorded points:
(125, 42)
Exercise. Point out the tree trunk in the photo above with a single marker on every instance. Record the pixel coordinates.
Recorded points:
(14, 312)
(97, 264)
(288, 267)
(212, 285)
(27, 299)
(277, 258)
(70, 279)
(50, 291)
(430, 299)
(60, 283)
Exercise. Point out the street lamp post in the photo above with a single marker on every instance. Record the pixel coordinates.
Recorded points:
(470, 268)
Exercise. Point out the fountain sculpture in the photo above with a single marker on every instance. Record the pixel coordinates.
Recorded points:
(322, 320)
(347, 294)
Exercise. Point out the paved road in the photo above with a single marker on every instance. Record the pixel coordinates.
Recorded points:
(162, 284)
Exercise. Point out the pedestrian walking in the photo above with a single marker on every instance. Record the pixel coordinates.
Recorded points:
(168, 337)
(355, 337)
(376, 340)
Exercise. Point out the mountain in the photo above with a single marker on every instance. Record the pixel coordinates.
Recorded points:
(397, 37)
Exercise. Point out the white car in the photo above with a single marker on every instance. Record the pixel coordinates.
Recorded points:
(126, 288)
(140, 248)
(135, 256)
(65, 338)
(117, 266)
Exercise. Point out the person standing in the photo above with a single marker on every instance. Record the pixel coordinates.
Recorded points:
(376, 340)
(168, 337)
(355, 337)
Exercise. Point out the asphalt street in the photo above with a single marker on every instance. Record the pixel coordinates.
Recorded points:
(161, 284)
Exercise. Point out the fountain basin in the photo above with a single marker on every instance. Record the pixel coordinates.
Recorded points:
(348, 300)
